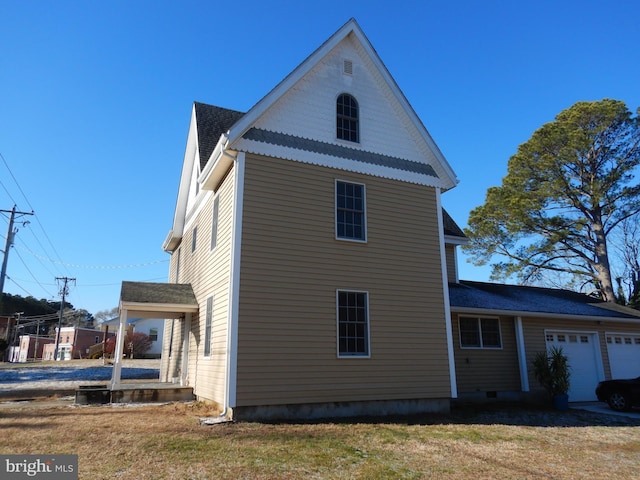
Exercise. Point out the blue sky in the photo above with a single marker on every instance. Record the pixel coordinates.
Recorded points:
(95, 101)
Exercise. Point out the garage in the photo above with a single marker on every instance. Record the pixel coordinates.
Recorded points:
(581, 348)
(624, 354)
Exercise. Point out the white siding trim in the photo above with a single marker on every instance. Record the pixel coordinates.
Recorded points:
(447, 306)
(289, 153)
(234, 281)
(522, 355)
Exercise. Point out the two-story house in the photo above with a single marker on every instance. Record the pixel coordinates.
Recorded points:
(310, 229)
(313, 269)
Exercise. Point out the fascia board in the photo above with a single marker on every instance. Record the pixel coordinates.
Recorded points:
(351, 27)
(143, 310)
(241, 127)
(525, 314)
(400, 97)
(190, 156)
(450, 239)
(217, 165)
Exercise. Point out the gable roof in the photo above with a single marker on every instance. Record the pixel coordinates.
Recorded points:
(212, 122)
(495, 298)
(245, 134)
(450, 227)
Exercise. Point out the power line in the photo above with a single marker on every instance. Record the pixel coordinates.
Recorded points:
(94, 267)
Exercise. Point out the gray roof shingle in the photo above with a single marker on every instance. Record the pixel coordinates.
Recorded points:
(211, 123)
(158, 293)
(517, 298)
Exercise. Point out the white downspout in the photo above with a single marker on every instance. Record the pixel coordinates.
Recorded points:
(522, 355)
(447, 306)
(119, 350)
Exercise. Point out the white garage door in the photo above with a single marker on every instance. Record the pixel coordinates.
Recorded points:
(586, 367)
(624, 355)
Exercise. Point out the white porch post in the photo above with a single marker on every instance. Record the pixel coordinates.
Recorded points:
(119, 350)
(185, 349)
(522, 355)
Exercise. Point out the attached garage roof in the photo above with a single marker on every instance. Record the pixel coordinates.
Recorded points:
(467, 296)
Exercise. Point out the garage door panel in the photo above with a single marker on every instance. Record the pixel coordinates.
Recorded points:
(624, 354)
(581, 350)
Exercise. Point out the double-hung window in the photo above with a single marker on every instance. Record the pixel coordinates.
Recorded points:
(194, 239)
(478, 332)
(350, 211)
(353, 323)
(153, 334)
(208, 324)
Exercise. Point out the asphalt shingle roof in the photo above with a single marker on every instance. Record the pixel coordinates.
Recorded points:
(158, 293)
(451, 228)
(518, 298)
(212, 122)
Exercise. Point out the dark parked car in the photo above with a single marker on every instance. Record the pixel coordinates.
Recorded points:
(621, 395)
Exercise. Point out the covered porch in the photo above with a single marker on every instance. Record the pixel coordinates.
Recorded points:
(152, 300)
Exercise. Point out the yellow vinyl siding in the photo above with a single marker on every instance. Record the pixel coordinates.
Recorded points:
(487, 369)
(208, 272)
(291, 267)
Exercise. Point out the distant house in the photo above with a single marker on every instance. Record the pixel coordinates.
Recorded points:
(30, 347)
(74, 343)
(152, 327)
(313, 269)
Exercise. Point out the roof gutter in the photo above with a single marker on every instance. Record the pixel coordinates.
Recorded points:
(521, 313)
(218, 164)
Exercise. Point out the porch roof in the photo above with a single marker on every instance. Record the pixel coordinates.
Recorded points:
(157, 300)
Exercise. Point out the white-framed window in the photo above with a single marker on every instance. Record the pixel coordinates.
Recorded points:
(480, 332)
(177, 280)
(194, 239)
(153, 334)
(351, 221)
(347, 122)
(353, 323)
(208, 324)
(214, 222)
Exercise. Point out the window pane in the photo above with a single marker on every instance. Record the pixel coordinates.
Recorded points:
(350, 211)
(214, 229)
(207, 327)
(347, 118)
(352, 323)
(491, 333)
(469, 332)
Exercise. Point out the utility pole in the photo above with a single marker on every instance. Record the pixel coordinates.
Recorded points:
(10, 234)
(63, 291)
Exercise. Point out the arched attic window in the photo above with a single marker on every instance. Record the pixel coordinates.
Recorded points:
(347, 118)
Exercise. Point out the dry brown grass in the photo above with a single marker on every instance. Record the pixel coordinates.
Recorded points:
(167, 442)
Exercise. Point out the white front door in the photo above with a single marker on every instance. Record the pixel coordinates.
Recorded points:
(582, 350)
(624, 354)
